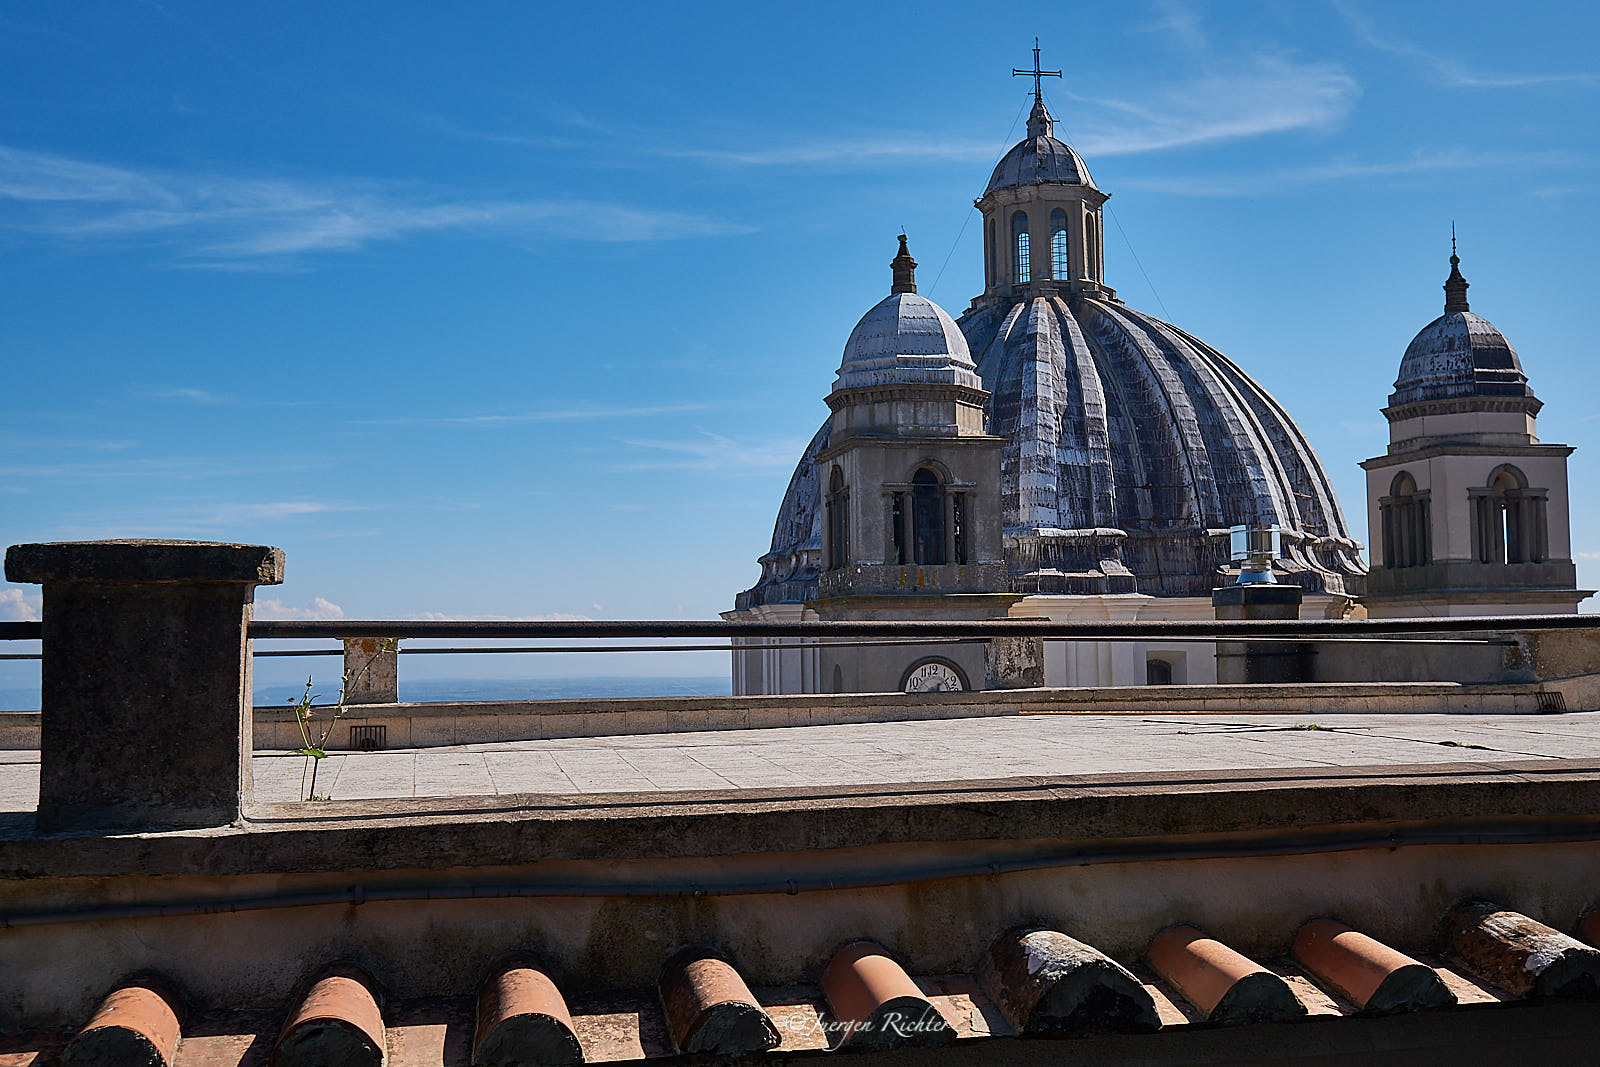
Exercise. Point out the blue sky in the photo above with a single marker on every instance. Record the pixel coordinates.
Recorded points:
(526, 311)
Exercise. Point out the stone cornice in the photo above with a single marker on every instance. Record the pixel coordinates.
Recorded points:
(878, 394)
(1458, 448)
(1458, 405)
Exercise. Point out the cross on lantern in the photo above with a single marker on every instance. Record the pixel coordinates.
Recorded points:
(1038, 93)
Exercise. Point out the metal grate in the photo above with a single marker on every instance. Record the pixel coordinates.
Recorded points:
(371, 738)
(1551, 703)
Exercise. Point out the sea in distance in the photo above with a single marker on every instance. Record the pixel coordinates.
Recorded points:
(596, 687)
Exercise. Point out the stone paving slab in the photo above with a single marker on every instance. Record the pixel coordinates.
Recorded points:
(902, 752)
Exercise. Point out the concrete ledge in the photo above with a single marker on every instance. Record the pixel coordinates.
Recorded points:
(426, 725)
(1084, 815)
(416, 725)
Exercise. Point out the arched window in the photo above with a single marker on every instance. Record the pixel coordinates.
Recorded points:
(1060, 268)
(838, 505)
(988, 253)
(1091, 241)
(1157, 671)
(1509, 523)
(927, 518)
(838, 679)
(1406, 523)
(1021, 272)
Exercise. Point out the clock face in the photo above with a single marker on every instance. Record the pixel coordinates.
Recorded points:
(934, 678)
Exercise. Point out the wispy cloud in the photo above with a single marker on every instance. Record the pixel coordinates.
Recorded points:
(320, 608)
(713, 451)
(846, 151)
(238, 514)
(1448, 71)
(514, 418)
(160, 467)
(1288, 179)
(1266, 94)
(1181, 20)
(17, 606)
(226, 221)
(193, 396)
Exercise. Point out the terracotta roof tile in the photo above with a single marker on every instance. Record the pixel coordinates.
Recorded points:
(1370, 974)
(1225, 985)
(876, 1003)
(137, 1023)
(709, 1008)
(338, 1021)
(1522, 955)
(522, 1018)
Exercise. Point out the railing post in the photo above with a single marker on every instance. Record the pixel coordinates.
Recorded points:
(146, 704)
(371, 670)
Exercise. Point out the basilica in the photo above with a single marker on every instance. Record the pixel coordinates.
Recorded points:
(1054, 453)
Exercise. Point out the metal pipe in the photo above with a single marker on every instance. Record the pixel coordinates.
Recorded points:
(1202, 629)
(1279, 845)
(1285, 629)
(284, 653)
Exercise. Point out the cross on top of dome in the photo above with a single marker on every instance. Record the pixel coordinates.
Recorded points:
(1039, 124)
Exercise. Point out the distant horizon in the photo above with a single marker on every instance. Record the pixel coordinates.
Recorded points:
(487, 688)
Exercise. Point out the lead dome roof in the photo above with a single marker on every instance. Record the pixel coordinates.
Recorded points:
(1458, 354)
(1039, 159)
(906, 338)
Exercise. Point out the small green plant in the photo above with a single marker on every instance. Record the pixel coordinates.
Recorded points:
(1307, 726)
(314, 734)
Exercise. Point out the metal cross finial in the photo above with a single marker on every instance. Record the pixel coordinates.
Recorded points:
(1452, 237)
(1038, 93)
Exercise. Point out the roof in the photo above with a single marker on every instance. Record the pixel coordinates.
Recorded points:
(1459, 354)
(1039, 161)
(1039, 158)
(1036, 981)
(906, 339)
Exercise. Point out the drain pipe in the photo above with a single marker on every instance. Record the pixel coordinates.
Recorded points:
(356, 895)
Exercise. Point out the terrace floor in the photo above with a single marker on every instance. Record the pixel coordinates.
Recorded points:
(942, 750)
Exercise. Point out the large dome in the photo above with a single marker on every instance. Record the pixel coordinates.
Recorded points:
(1131, 447)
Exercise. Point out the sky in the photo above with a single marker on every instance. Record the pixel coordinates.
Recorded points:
(528, 310)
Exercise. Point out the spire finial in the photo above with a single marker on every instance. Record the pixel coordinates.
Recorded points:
(905, 270)
(1455, 286)
(1039, 122)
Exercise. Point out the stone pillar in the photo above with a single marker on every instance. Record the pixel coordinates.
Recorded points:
(1252, 662)
(371, 670)
(146, 702)
(1013, 663)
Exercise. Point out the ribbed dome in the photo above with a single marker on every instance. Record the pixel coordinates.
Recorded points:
(1041, 160)
(1458, 354)
(1130, 447)
(906, 338)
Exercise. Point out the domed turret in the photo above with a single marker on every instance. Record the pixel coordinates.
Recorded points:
(906, 339)
(1467, 510)
(1039, 159)
(1458, 354)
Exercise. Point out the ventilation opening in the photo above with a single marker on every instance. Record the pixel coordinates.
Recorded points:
(1551, 703)
(375, 738)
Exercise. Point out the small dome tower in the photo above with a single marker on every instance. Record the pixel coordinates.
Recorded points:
(1041, 213)
(1467, 510)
